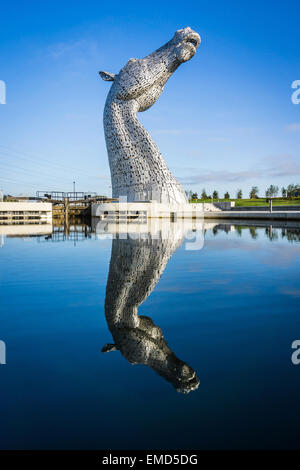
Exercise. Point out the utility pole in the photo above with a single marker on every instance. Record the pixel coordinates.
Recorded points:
(66, 215)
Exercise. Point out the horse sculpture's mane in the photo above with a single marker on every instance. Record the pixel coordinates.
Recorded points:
(138, 170)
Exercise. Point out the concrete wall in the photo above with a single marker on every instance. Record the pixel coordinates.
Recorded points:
(266, 208)
(217, 206)
(239, 215)
(145, 209)
(26, 206)
(225, 205)
(155, 209)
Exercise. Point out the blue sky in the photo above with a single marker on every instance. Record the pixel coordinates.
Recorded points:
(225, 120)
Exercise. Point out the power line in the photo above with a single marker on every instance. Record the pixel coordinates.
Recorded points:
(11, 181)
(43, 161)
(21, 170)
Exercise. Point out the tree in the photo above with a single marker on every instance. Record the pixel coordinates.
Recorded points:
(215, 195)
(239, 194)
(195, 196)
(293, 190)
(283, 192)
(227, 195)
(254, 192)
(203, 194)
(272, 191)
(289, 191)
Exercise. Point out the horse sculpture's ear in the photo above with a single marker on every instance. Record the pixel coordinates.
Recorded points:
(108, 77)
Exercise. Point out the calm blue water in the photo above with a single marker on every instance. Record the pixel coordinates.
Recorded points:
(228, 314)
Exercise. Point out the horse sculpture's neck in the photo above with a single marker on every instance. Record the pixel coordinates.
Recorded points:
(136, 164)
(138, 170)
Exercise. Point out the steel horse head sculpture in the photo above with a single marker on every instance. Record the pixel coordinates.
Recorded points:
(138, 170)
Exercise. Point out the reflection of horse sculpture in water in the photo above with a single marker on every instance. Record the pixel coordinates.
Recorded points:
(135, 268)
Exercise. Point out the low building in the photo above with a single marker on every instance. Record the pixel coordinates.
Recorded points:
(25, 212)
